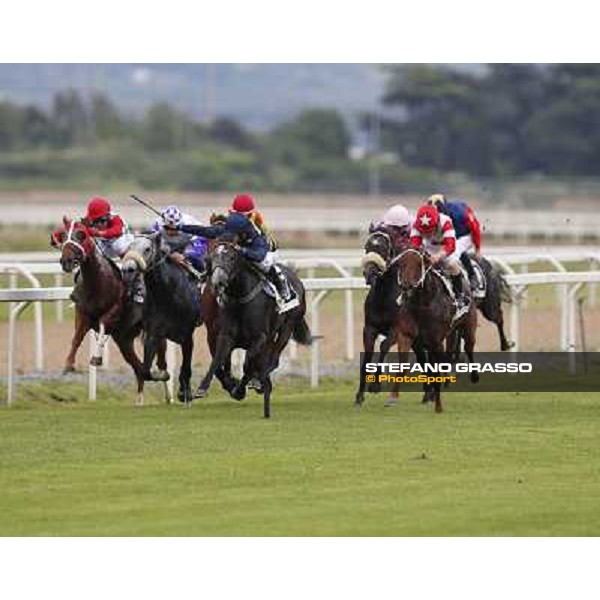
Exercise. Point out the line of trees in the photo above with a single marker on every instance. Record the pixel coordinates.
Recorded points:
(512, 119)
(437, 124)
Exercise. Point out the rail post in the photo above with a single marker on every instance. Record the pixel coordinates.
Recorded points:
(315, 326)
(12, 350)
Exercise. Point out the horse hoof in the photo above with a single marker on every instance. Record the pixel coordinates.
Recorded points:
(474, 377)
(390, 401)
(507, 346)
(96, 361)
(200, 393)
(159, 375)
(185, 396)
(238, 393)
(255, 384)
(69, 369)
(438, 409)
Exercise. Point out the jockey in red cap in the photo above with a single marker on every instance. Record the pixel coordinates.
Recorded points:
(467, 228)
(112, 237)
(434, 232)
(109, 230)
(247, 224)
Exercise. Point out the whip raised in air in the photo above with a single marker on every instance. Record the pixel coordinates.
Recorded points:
(144, 203)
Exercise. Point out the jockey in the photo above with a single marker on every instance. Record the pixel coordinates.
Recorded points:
(182, 247)
(107, 228)
(467, 228)
(434, 232)
(244, 204)
(254, 244)
(396, 223)
(113, 238)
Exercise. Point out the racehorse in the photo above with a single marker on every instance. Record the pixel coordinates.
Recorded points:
(248, 318)
(427, 312)
(100, 300)
(380, 307)
(171, 309)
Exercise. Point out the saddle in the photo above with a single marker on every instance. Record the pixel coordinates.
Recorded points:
(269, 288)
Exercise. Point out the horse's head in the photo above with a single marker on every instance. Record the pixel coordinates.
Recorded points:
(412, 266)
(224, 258)
(141, 256)
(74, 242)
(378, 253)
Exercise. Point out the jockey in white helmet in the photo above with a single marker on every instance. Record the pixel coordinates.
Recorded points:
(396, 223)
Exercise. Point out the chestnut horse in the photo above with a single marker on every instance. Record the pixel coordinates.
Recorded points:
(101, 302)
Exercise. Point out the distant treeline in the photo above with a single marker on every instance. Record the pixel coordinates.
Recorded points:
(513, 119)
(438, 126)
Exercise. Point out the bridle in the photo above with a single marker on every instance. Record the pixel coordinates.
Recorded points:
(145, 266)
(223, 297)
(72, 242)
(424, 269)
(387, 240)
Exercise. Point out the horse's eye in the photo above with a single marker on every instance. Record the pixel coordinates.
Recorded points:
(79, 235)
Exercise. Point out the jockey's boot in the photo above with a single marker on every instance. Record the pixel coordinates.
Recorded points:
(460, 293)
(465, 259)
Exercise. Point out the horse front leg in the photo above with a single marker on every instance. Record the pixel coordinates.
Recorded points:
(223, 349)
(163, 371)
(82, 326)
(369, 337)
(185, 373)
(101, 340)
(127, 349)
(436, 356)
(257, 354)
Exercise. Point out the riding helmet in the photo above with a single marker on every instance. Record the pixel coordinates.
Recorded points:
(427, 219)
(97, 208)
(243, 203)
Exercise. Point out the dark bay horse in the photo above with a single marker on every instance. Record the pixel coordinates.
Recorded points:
(380, 307)
(100, 302)
(248, 318)
(426, 312)
(171, 309)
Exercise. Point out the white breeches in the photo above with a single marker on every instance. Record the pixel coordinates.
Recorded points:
(463, 244)
(117, 247)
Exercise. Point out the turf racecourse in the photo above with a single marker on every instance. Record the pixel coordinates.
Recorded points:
(492, 464)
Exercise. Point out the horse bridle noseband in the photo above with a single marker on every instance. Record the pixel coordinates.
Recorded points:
(388, 242)
(72, 242)
(424, 269)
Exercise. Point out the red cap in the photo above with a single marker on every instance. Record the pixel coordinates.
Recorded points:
(243, 203)
(96, 209)
(427, 219)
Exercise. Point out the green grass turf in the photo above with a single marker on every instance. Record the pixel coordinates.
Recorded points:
(492, 464)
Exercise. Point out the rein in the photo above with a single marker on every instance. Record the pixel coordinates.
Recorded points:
(424, 270)
(252, 293)
(73, 242)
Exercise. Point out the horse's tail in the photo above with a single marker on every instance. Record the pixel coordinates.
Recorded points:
(301, 333)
